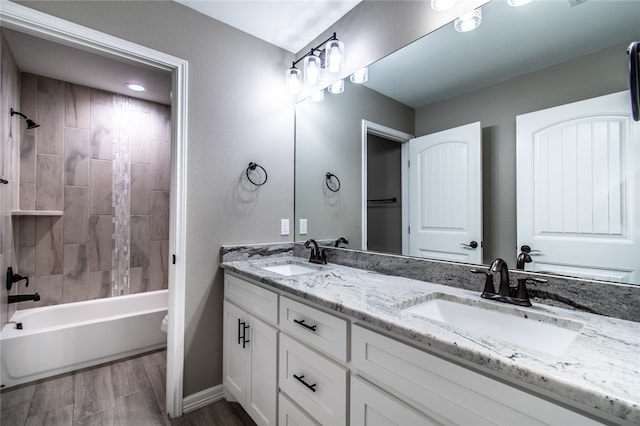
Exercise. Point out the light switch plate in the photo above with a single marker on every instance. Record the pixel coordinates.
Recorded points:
(284, 226)
(303, 226)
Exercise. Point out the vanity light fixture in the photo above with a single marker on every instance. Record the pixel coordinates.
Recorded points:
(517, 3)
(328, 55)
(360, 76)
(469, 21)
(135, 87)
(441, 5)
(337, 87)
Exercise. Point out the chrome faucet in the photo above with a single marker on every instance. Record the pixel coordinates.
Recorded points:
(316, 256)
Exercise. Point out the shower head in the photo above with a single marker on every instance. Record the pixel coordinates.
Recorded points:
(30, 123)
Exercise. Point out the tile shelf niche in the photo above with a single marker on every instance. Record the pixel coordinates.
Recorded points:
(36, 212)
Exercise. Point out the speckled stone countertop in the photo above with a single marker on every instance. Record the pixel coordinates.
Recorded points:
(600, 369)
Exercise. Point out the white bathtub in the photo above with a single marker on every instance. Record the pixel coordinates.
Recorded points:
(61, 338)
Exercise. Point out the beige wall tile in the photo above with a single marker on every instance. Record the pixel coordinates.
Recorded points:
(140, 189)
(102, 131)
(76, 215)
(49, 248)
(100, 243)
(99, 284)
(50, 116)
(77, 110)
(100, 187)
(27, 196)
(160, 165)
(139, 245)
(159, 215)
(76, 157)
(49, 182)
(75, 279)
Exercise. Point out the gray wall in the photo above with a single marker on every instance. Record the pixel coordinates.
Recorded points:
(496, 107)
(237, 114)
(329, 139)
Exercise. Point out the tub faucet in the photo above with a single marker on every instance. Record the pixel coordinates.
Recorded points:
(24, 298)
(316, 256)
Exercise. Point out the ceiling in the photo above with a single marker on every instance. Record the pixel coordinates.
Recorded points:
(290, 24)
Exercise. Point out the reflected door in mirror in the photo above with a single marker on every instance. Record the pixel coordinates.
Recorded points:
(577, 189)
(445, 202)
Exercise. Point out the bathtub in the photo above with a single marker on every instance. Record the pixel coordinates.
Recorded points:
(61, 338)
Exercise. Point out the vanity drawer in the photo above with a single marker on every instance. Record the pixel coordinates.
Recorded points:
(320, 330)
(257, 300)
(447, 392)
(314, 382)
(290, 415)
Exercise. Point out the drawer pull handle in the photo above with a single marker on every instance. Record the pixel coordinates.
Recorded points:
(307, 326)
(244, 337)
(299, 378)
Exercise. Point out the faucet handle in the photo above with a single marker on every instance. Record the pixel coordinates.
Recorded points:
(521, 292)
(488, 289)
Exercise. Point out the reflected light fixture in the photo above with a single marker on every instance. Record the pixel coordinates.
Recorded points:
(337, 87)
(360, 76)
(469, 21)
(441, 5)
(516, 3)
(328, 55)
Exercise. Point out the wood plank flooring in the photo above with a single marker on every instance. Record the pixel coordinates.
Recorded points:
(130, 392)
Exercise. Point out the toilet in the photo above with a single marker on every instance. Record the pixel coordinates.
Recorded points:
(165, 323)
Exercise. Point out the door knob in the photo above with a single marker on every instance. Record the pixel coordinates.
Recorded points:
(527, 249)
(472, 245)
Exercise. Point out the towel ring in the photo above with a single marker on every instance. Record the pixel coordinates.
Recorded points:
(328, 176)
(253, 166)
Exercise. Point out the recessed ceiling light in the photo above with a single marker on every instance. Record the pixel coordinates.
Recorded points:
(135, 87)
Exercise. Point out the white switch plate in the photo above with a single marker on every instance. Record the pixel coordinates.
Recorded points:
(303, 226)
(284, 226)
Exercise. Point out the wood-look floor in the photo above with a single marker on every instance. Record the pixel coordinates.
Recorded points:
(129, 392)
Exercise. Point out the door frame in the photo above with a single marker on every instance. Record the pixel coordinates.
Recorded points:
(369, 127)
(42, 25)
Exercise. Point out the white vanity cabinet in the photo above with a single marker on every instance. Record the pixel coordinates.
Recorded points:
(445, 392)
(250, 348)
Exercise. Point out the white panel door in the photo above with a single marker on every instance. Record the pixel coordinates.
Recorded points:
(578, 167)
(445, 201)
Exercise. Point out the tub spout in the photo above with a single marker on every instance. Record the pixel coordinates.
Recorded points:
(24, 298)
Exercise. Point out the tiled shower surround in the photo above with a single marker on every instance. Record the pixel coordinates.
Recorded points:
(104, 160)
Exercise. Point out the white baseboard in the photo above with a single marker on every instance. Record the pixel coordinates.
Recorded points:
(202, 398)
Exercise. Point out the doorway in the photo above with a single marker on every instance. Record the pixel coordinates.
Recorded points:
(38, 24)
(385, 213)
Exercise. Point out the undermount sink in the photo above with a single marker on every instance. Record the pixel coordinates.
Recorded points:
(289, 269)
(511, 325)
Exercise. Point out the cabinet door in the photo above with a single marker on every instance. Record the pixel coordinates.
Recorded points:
(290, 415)
(263, 387)
(235, 358)
(372, 407)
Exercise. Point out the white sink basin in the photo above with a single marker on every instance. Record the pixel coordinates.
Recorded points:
(289, 269)
(518, 327)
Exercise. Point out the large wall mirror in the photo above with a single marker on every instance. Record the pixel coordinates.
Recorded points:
(519, 61)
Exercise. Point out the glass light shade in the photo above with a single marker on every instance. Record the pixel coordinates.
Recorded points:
(440, 5)
(293, 80)
(337, 87)
(334, 55)
(468, 21)
(318, 96)
(312, 70)
(516, 3)
(360, 76)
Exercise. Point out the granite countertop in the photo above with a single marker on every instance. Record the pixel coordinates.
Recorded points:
(599, 369)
